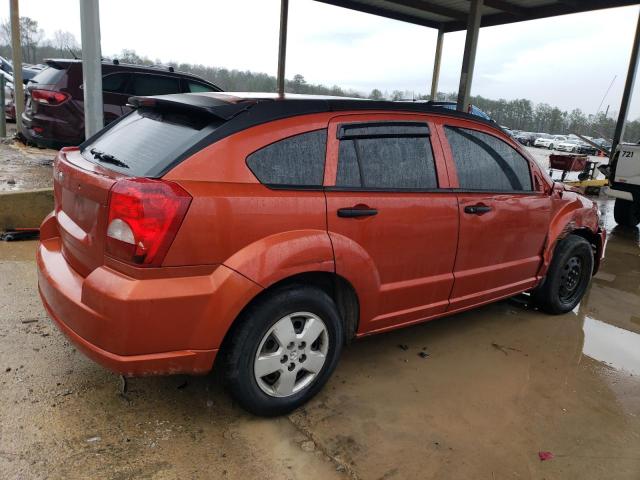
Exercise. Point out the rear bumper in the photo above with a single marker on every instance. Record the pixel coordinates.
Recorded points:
(135, 327)
(166, 363)
(49, 132)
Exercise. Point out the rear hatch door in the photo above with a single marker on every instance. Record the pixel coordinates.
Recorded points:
(144, 143)
(81, 190)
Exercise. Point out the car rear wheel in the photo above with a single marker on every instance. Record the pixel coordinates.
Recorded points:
(284, 350)
(567, 278)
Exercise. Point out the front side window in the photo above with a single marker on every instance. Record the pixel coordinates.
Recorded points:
(485, 162)
(387, 157)
(293, 161)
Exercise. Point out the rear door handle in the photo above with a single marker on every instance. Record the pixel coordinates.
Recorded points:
(478, 209)
(355, 212)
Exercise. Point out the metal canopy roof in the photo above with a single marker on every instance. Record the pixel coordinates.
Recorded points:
(451, 15)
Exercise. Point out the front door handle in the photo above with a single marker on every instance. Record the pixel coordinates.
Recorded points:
(477, 209)
(356, 212)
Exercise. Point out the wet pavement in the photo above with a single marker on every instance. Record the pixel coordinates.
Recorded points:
(473, 396)
(22, 167)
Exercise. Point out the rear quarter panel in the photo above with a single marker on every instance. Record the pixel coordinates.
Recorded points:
(263, 233)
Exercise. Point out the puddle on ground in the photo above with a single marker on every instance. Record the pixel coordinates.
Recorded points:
(614, 346)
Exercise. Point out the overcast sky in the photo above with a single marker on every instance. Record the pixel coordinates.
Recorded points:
(566, 61)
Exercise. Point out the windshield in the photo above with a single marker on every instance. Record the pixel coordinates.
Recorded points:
(146, 141)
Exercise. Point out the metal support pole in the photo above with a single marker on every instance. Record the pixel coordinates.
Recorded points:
(282, 46)
(469, 57)
(3, 120)
(91, 66)
(16, 58)
(436, 66)
(618, 135)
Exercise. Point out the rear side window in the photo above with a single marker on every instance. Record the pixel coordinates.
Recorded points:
(49, 76)
(144, 84)
(115, 83)
(485, 162)
(194, 87)
(293, 161)
(146, 141)
(387, 157)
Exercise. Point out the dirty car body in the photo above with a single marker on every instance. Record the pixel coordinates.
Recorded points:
(182, 221)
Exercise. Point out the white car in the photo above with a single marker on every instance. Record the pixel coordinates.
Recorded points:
(570, 145)
(549, 141)
(8, 95)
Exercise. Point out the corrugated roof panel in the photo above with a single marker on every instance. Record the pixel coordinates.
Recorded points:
(452, 15)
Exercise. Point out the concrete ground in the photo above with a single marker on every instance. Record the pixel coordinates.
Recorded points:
(473, 396)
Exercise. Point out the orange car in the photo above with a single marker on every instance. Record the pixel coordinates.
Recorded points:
(269, 232)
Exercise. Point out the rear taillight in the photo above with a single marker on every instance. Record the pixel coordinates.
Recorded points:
(48, 97)
(144, 217)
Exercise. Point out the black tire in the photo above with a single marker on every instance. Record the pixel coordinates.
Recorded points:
(626, 213)
(247, 337)
(567, 278)
(551, 146)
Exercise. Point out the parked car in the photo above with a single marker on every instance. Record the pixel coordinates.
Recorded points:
(603, 143)
(453, 106)
(54, 111)
(550, 142)
(28, 71)
(525, 138)
(9, 105)
(265, 233)
(570, 145)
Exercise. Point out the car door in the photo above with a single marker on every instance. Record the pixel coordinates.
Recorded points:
(393, 228)
(504, 215)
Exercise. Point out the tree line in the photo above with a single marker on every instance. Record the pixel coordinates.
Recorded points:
(518, 114)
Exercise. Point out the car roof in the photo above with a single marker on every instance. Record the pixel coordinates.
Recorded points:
(226, 105)
(237, 111)
(117, 64)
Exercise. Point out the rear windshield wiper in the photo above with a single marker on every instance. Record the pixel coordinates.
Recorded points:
(105, 157)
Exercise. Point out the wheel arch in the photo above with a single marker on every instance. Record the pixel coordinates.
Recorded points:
(575, 217)
(596, 244)
(337, 287)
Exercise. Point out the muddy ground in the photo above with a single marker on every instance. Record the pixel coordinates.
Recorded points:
(473, 396)
(22, 167)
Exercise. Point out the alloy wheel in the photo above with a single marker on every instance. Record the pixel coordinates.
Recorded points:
(291, 354)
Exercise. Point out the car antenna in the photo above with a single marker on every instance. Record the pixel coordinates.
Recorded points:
(73, 54)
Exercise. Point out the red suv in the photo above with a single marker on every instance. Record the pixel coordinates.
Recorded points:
(54, 110)
(265, 233)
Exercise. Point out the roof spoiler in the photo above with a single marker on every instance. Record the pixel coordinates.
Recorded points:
(193, 103)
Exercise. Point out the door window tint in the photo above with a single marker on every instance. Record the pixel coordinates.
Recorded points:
(194, 87)
(388, 161)
(115, 83)
(485, 162)
(154, 84)
(295, 161)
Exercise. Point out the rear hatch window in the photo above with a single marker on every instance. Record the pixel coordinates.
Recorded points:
(147, 141)
(49, 76)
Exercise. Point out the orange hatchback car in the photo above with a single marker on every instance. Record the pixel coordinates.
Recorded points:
(265, 233)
